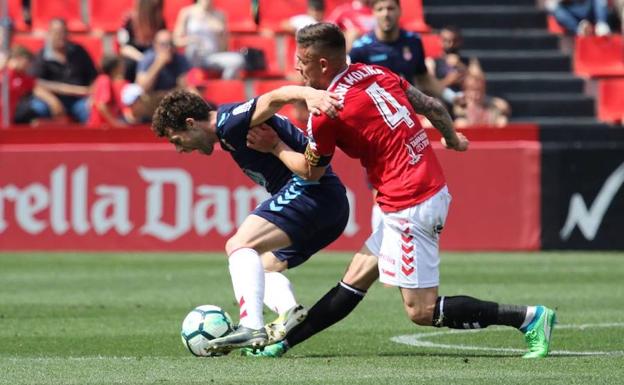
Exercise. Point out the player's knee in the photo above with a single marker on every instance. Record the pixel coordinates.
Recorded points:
(420, 315)
(233, 244)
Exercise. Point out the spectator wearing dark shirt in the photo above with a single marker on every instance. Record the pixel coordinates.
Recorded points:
(162, 67)
(64, 69)
(450, 69)
(401, 51)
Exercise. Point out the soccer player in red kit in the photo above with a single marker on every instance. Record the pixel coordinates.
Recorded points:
(378, 126)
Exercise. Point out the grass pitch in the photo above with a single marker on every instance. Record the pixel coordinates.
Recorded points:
(115, 319)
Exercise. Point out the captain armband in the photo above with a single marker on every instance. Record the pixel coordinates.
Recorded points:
(316, 160)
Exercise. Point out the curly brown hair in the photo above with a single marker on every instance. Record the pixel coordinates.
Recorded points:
(175, 107)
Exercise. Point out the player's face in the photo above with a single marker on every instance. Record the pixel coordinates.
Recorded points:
(309, 66)
(192, 139)
(387, 14)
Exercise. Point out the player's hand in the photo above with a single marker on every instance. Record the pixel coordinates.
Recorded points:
(262, 138)
(321, 101)
(460, 144)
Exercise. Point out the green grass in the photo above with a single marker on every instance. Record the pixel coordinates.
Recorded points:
(115, 319)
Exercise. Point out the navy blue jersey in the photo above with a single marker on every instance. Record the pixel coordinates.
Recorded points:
(405, 56)
(265, 169)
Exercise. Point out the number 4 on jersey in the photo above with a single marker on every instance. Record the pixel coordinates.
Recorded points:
(382, 99)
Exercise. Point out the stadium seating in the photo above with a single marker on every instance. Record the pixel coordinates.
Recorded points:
(599, 56)
(220, 91)
(16, 13)
(611, 100)
(239, 14)
(171, 8)
(553, 26)
(92, 44)
(432, 45)
(274, 12)
(33, 43)
(108, 15)
(43, 11)
(264, 43)
(412, 17)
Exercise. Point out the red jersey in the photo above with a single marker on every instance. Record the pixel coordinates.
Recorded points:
(20, 84)
(353, 15)
(107, 91)
(379, 127)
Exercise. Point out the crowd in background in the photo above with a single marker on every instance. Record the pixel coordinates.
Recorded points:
(61, 82)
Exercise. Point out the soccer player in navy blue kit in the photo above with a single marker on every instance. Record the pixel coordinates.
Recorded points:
(283, 231)
(399, 50)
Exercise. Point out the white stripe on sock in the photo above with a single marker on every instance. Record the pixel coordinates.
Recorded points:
(353, 289)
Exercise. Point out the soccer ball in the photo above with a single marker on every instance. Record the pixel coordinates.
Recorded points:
(202, 324)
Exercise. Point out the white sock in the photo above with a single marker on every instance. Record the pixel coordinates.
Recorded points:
(278, 292)
(530, 314)
(247, 276)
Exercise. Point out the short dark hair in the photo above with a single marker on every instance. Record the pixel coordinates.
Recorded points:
(21, 51)
(324, 38)
(175, 107)
(109, 63)
(398, 2)
(318, 5)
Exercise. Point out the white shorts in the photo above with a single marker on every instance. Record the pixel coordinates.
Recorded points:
(406, 243)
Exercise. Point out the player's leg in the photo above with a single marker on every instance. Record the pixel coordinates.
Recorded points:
(335, 305)
(256, 235)
(418, 277)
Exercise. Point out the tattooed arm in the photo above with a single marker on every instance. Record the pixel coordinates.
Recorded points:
(437, 114)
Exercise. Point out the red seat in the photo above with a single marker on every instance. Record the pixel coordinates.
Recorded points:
(611, 100)
(599, 56)
(412, 17)
(45, 10)
(553, 26)
(239, 14)
(264, 43)
(33, 43)
(16, 13)
(274, 12)
(224, 91)
(432, 45)
(92, 44)
(331, 4)
(108, 15)
(171, 8)
(263, 86)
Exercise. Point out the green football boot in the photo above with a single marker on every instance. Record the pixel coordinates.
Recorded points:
(538, 332)
(272, 351)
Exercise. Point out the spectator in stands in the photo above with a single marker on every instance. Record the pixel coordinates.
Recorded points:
(399, 50)
(135, 104)
(202, 31)
(138, 31)
(315, 14)
(354, 19)
(162, 69)
(21, 84)
(581, 17)
(479, 108)
(450, 69)
(106, 104)
(66, 70)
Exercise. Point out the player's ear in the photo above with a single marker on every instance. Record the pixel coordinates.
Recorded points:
(324, 65)
(190, 122)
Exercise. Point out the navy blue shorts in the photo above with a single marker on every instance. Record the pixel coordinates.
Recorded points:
(312, 214)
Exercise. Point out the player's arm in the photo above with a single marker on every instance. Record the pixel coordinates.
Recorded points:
(318, 101)
(264, 139)
(438, 116)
